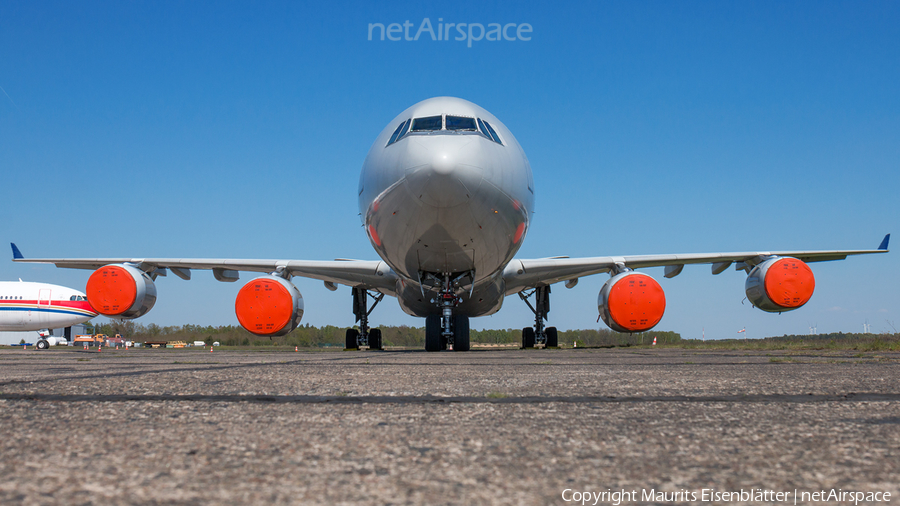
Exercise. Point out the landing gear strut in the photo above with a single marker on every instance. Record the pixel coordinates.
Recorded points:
(364, 336)
(538, 334)
(446, 329)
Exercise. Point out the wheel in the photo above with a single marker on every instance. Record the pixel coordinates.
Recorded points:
(528, 337)
(375, 339)
(42, 344)
(433, 333)
(460, 333)
(552, 337)
(352, 341)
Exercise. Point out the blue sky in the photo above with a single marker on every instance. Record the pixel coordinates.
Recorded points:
(238, 129)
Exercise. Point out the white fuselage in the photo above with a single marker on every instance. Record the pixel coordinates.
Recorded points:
(28, 306)
(447, 199)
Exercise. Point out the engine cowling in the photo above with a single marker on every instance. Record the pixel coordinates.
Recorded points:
(269, 306)
(780, 284)
(631, 302)
(121, 291)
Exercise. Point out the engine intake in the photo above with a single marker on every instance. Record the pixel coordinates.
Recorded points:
(121, 291)
(631, 302)
(780, 284)
(269, 306)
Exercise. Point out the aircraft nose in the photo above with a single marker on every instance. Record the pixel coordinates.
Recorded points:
(443, 162)
(446, 174)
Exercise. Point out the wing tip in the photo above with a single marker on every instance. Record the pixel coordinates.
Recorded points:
(16, 253)
(882, 246)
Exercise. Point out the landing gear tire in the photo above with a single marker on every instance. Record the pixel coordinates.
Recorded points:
(552, 337)
(352, 341)
(461, 333)
(433, 339)
(375, 339)
(43, 344)
(527, 338)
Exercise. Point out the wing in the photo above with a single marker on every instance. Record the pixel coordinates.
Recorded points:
(523, 274)
(367, 274)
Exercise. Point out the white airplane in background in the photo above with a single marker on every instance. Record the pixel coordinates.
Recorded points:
(28, 306)
(446, 196)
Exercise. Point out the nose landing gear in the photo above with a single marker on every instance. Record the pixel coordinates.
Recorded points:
(447, 330)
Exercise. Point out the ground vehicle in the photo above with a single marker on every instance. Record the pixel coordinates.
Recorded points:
(46, 342)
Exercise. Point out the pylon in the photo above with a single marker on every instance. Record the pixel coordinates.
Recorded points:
(24, 346)
(117, 347)
(654, 341)
(210, 349)
(296, 348)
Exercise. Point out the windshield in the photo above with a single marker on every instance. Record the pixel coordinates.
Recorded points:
(429, 123)
(460, 123)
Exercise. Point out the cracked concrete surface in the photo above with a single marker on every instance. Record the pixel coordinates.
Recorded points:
(408, 427)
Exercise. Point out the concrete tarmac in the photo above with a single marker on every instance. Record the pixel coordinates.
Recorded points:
(408, 427)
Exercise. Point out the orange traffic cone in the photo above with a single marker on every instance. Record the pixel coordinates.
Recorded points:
(210, 349)
(296, 348)
(654, 341)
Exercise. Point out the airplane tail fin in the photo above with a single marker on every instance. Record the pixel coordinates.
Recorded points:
(884, 243)
(16, 253)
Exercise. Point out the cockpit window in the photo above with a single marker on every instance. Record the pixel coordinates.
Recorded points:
(492, 133)
(396, 133)
(430, 123)
(460, 123)
(404, 129)
(484, 129)
(399, 132)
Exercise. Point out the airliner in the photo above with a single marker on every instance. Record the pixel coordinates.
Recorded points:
(26, 306)
(446, 196)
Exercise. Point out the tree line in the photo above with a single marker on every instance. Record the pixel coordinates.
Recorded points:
(309, 336)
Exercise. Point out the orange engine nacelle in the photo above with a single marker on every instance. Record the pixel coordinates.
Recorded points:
(121, 291)
(631, 302)
(269, 306)
(780, 284)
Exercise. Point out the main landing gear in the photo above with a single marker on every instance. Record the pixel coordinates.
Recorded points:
(364, 336)
(539, 334)
(446, 330)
